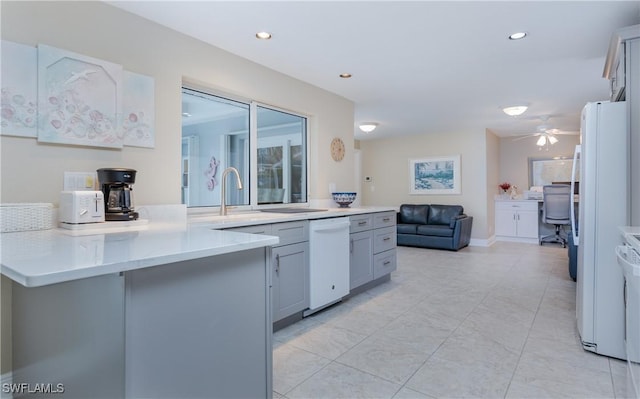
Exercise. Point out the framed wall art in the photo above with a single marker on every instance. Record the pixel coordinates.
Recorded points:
(79, 99)
(19, 90)
(435, 175)
(138, 110)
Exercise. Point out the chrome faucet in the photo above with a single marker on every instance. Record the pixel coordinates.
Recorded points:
(223, 188)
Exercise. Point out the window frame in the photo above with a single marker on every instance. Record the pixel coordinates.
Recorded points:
(253, 151)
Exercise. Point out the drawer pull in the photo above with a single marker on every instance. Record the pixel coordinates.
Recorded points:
(386, 239)
(386, 219)
(362, 223)
(387, 263)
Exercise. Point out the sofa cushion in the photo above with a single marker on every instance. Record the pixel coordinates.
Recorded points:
(407, 228)
(413, 214)
(437, 230)
(443, 214)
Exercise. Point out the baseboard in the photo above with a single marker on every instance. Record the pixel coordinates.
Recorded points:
(518, 239)
(6, 378)
(476, 242)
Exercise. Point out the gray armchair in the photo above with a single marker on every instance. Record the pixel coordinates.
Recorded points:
(556, 210)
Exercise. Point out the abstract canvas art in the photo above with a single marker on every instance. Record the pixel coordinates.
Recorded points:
(79, 99)
(138, 110)
(19, 90)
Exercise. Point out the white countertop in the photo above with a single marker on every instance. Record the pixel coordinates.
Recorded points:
(36, 258)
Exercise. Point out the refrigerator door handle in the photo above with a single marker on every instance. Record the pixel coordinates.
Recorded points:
(576, 160)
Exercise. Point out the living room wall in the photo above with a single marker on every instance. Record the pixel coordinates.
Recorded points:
(386, 161)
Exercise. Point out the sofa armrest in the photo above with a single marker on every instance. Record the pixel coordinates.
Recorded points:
(455, 219)
(462, 231)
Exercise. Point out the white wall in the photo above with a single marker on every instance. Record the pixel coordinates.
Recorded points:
(515, 154)
(32, 172)
(493, 174)
(387, 162)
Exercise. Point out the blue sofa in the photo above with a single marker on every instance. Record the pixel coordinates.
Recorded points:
(433, 226)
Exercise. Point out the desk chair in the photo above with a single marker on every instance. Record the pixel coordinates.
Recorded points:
(556, 210)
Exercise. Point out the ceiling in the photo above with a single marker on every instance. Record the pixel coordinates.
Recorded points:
(421, 67)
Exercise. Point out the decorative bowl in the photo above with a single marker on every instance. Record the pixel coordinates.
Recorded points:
(344, 199)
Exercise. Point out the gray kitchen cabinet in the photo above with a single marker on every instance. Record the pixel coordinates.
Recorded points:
(384, 263)
(199, 328)
(384, 244)
(71, 333)
(360, 258)
(290, 268)
(373, 247)
(289, 262)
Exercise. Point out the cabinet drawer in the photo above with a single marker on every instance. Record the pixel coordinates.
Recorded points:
(255, 229)
(530, 205)
(384, 263)
(384, 239)
(360, 223)
(384, 219)
(291, 232)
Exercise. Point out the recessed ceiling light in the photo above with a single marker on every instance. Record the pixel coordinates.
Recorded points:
(517, 35)
(263, 35)
(345, 75)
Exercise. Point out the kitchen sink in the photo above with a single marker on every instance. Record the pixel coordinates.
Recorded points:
(232, 217)
(292, 210)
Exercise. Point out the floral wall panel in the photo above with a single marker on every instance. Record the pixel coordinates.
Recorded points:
(19, 90)
(79, 99)
(138, 110)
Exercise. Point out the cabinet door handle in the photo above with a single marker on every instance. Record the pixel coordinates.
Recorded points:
(514, 216)
(277, 263)
(351, 246)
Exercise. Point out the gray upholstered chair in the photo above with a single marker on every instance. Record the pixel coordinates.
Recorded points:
(556, 210)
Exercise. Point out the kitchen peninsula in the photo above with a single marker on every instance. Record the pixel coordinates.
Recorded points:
(173, 310)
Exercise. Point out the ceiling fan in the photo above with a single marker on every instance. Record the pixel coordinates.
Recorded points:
(546, 133)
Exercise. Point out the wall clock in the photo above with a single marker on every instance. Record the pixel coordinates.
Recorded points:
(337, 149)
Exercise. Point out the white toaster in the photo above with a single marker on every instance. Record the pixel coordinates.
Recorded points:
(77, 207)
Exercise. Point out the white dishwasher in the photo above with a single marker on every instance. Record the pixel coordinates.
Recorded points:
(328, 262)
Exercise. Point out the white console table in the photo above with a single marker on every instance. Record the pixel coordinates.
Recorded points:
(516, 220)
(521, 221)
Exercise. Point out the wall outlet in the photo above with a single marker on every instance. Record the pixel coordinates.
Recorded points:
(80, 181)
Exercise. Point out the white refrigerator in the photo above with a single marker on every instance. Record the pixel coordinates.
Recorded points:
(603, 206)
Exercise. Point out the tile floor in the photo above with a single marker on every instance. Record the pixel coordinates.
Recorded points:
(495, 322)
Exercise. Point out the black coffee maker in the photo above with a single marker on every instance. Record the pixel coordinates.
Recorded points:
(118, 197)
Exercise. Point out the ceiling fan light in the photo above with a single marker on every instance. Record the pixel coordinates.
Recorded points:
(515, 110)
(368, 127)
(542, 141)
(552, 140)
